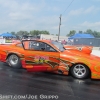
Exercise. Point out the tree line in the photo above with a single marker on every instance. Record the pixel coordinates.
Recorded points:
(71, 33)
(32, 33)
(88, 31)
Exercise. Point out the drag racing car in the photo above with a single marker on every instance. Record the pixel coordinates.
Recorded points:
(52, 56)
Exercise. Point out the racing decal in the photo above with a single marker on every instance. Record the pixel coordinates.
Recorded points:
(41, 59)
(51, 62)
(65, 63)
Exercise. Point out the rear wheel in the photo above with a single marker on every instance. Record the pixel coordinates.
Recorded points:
(14, 61)
(80, 71)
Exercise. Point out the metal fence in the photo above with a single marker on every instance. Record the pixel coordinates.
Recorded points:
(87, 41)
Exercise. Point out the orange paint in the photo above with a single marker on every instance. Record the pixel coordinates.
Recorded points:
(53, 61)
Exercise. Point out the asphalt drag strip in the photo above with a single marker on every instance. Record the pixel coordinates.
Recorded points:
(22, 85)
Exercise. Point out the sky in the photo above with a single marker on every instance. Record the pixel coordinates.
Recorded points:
(28, 15)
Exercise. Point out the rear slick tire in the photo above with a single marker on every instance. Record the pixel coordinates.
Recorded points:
(14, 61)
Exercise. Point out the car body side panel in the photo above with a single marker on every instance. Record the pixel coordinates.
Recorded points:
(52, 61)
(39, 61)
(91, 61)
(3, 55)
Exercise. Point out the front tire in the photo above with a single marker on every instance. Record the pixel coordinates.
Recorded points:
(80, 71)
(14, 61)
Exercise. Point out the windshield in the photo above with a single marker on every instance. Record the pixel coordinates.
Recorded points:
(58, 45)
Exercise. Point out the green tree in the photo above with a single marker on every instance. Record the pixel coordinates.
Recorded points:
(34, 32)
(89, 31)
(37, 32)
(80, 31)
(44, 32)
(71, 33)
(21, 33)
(56, 34)
(13, 33)
(94, 33)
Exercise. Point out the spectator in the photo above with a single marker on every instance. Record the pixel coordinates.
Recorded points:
(64, 42)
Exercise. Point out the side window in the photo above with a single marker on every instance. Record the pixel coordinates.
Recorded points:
(38, 46)
(34, 45)
(42, 46)
(49, 48)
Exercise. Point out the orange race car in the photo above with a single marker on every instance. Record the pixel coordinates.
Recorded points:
(39, 55)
